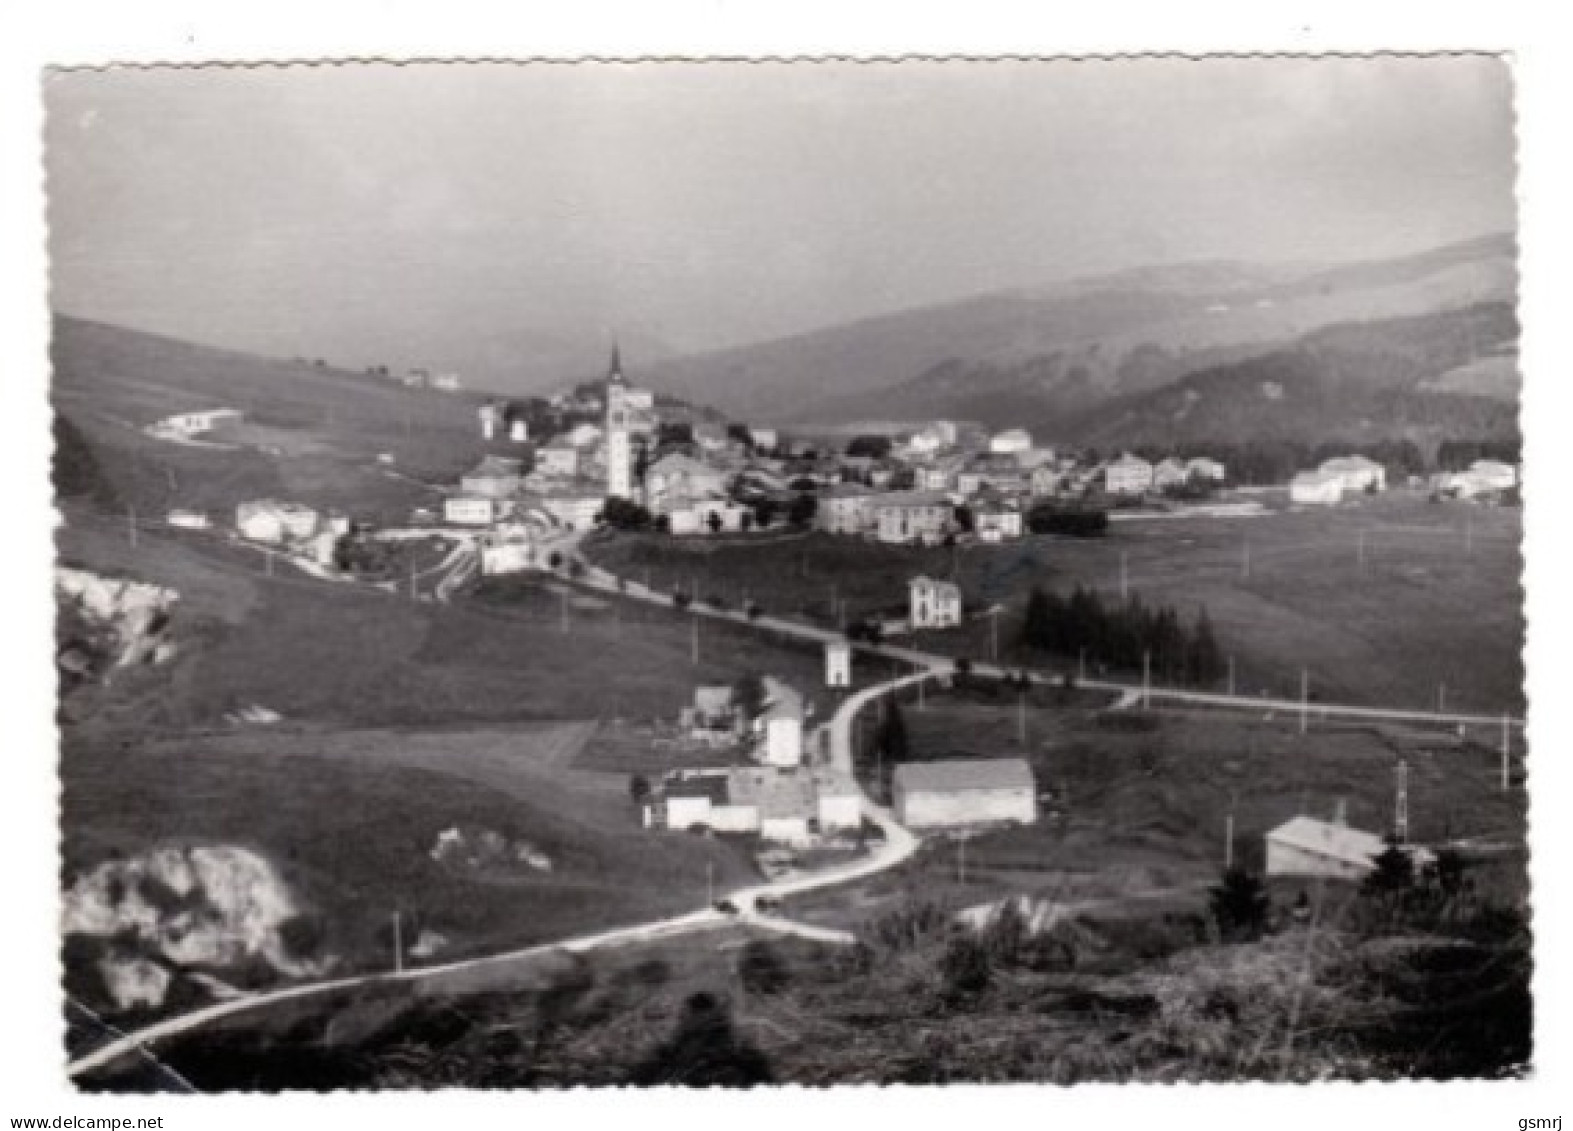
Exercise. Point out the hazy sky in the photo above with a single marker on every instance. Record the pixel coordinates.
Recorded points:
(496, 215)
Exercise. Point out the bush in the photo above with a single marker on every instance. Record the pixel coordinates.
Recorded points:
(760, 969)
(1239, 906)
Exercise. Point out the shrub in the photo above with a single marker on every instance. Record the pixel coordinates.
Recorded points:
(760, 969)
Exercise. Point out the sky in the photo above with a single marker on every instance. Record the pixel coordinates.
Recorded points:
(507, 221)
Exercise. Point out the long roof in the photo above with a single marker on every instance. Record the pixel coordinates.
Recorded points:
(1327, 839)
(913, 499)
(955, 775)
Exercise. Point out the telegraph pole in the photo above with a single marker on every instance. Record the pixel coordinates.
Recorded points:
(1245, 556)
(398, 945)
(1441, 698)
(1361, 553)
(1146, 679)
(1081, 666)
(1401, 805)
(564, 596)
(994, 628)
(131, 525)
(696, 639)
(709, 882)
(1021, 717)
(1507, 754)
(1305, 698)
(1228, 838)
(1125, 580)
(1231, 676)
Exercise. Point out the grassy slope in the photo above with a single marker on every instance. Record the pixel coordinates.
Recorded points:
(1420, 613)
(111, 382)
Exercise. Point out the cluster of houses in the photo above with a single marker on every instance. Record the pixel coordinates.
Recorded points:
(1335, 479)
(291, 527)
(1485, 480)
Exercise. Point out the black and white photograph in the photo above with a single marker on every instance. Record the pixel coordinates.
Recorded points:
(733, 573)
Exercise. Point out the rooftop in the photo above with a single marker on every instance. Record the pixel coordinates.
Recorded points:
(1328, 839)
(955, 775)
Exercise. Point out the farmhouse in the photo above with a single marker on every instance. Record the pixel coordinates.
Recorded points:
(940, 474)
(964, 791)
(933, 603)
(912, 516)
(999, 472)
(1128, 475)
(1305, 846)
(1047, 480)
(789, 805)
(765, 439)
(496, 477)
(193, 423)
(1313, 488)
(188, 520)
(1484, 477)
(1356, 473)
(471, 510)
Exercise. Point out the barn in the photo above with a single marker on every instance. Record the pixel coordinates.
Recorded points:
(964, 791)
(1305, 846)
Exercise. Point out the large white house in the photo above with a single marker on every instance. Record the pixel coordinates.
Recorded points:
(1012, 441)
(933, 603)
(268, 520)
(996, 522)
(1128, 475)
(496, 477)
(779, 725)
(964, 791)
(846, 508)
(676, 480)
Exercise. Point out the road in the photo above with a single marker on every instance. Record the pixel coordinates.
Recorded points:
(898, 846)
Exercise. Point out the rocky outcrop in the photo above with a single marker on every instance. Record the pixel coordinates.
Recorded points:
(111, 622)
(170, 910)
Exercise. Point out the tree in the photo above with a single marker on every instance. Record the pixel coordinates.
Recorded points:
(623, 514)
(965, 966)
(1393, 872)
(802, 511)
(869, 447)
(765, 512)
(555, 559)
(681, 600)
(892, 734)
(1239, 905)
(639, 789)
(739, 434)
(964, 519)
(714, 522)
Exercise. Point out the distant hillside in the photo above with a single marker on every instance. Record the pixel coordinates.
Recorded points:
(1359, 382)
(313, 433)
(1072, 346)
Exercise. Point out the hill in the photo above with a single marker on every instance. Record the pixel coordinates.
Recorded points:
(1360, 383)
(311, 432)
(1074, 345)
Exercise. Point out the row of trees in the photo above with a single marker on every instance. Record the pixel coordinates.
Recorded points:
(1123, 635)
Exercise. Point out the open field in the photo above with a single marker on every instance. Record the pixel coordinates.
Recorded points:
(1139, 801)
(350, 819)
(1431, 606)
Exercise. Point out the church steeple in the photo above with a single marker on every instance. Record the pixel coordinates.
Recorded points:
(614, 371)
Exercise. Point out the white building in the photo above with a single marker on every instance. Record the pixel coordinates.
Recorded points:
(491, 417)
(471, 510)
(1305, 846)
(447, 382)
(962, 792)
(995, 522)
(838, 664)
(905, 517)
(1209, 470)
(268, 520)
(1357, 473)
(1128, 475)
(846, 508)
(837, 800)
(519, 430)
(780, 725)
(933, 603)
(575, 509)
(765, 439)
(675, 481)
(1169, 472)
(509, 557)
(719, 516)
(188, 520)
(1012, 441)
(557, 459)
(584, 435)
(1313, 488)
(496, 477)
(619, 433)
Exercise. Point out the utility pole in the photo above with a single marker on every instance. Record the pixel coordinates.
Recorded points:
(1081, 666)
(961, 859)
(1021, 717)
(1401, 805)
(994, 628)
(1305, 698)
(696, 639)
(267, 558)
(1125, 580)
(709, 882)
(1228, 838)
(1469, 534)
(1245, 557)
(1146, 680)
(414, 592)
(1361, 554)
(398, 945)
(1441, 698)
(920, 694)
(1231, 676)
(131, 525)
(564, 596)
(1507, 754)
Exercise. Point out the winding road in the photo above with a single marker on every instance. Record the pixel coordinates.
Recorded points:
(899, 844)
